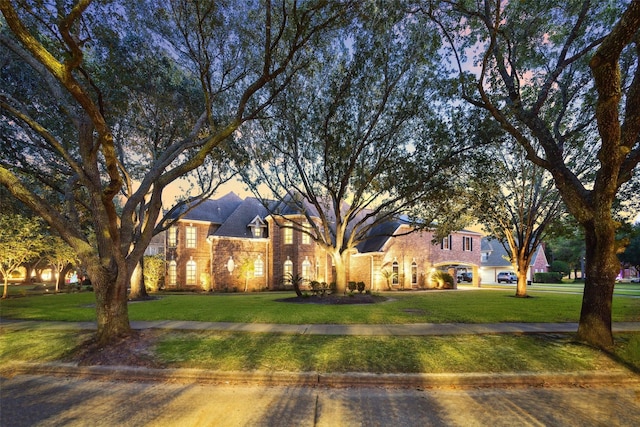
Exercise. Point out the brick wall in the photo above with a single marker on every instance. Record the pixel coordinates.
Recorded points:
(244, 253)
(181, 254)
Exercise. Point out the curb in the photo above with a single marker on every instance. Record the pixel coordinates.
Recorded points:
(325, 380)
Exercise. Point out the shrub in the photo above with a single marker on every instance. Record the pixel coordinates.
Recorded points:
(205, 282)
(352, 286)
(551, 277)
(153, 272)
(560, 267)
(441, 280)
(360, 286)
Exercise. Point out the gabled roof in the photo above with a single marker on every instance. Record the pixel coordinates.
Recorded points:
(379, 235)
(497, 252)
(214, 211)
(237, 224)
(289, 206)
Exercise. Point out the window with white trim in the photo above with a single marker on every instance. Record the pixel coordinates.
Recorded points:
(306, 269)
(414, 273)
(467, 243)
(258, 267)
(172, 237)
(288, 234)
(190, 236)
(173, 273)
(288, 270)
(395, 270)
(191, 272)
(445, 244)
(306, 237)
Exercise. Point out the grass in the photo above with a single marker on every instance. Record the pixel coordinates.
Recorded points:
(39, 345)
(294, 353)
(475, 353)
(283, 352)
(472, 306)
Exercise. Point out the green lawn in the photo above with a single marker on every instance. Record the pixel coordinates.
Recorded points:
(474, 353)
(291, 353)
(283, 352)
(469, 306)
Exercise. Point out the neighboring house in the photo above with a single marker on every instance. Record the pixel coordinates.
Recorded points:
(156, 246)
(495, 259)
(234, 244)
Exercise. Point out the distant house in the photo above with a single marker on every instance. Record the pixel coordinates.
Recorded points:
(494, 259)
(156, 246)
(235, 244)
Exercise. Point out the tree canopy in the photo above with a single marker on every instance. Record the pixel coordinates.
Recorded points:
(356, 142)
(563, 80)
(516, 202)
(21, 240)
(104, 104)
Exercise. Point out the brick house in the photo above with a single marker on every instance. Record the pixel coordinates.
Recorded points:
(398, 260)
(234, 244)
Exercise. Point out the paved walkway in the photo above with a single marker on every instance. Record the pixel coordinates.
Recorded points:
(409, 329)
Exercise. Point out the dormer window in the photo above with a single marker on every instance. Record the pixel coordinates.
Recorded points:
(257, 227)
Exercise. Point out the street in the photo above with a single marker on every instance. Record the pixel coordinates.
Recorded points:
(39, 400)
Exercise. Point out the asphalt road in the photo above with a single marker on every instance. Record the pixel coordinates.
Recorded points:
(40, 400)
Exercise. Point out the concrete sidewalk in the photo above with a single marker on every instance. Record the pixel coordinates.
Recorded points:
(409, 329)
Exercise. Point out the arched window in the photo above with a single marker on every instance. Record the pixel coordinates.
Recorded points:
(414, 273)
(191, 272)
(395, 269)
(288, 270)
(173, 273)
(258, 267)
(306, 269)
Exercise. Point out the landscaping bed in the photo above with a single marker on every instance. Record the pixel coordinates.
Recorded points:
(336, 299)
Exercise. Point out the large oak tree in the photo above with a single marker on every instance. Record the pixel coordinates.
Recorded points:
(517, 203)
(358, 140)
(563, 79)
(71, 72)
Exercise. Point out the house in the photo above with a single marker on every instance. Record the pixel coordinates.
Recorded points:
(494, 259)
(410, 258)
(236, 244)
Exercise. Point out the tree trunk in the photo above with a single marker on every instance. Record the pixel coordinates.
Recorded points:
(138, 288)
(111, 305)
(521, 286)
(341, 273)
(27, 276)
(61, 276)
(601, 270)
(5, 293)
(523, 261)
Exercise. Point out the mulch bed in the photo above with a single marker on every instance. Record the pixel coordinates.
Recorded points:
(335, 299)
(133, 350)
